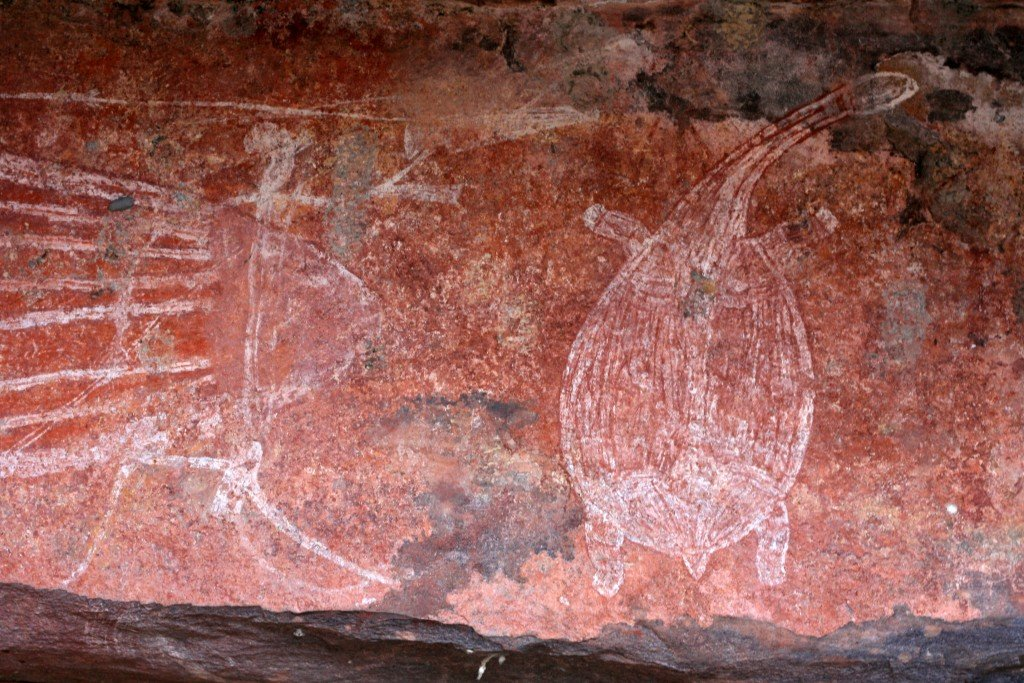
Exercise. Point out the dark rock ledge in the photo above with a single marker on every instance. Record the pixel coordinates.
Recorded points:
(52, 635)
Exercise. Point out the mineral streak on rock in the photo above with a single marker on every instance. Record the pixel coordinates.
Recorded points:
(328, 358)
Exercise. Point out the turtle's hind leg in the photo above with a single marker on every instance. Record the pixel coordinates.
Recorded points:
(604, 545)
(772, 544)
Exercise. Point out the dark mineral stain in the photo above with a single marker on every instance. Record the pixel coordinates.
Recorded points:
(472, 37)
(942, 179)
(100, 292)
(699, 296)
(1018, 303)
(963, 8)
(292, 32)
(989, 593)
(373, 356)
(643, 17)
(481, 532)
(961, 212)
(38, 261)
(948, 105)
(487, 515)
(804, 32)
(200, 15)
(863, 134)
(121, 204)
(998, 52)
(353, 179)
(112, 253)
(508, 49)
(914, 213)
(797, 57)
(508, 414)
(749, 105)
(635, 16)
(658, 100)
(936, 164)
(512, 414)
(133, 10)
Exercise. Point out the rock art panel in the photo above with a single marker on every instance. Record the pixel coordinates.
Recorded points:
(321, 306)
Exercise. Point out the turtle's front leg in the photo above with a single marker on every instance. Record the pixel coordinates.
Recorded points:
(772, 544)
(604, 545)
(626, 230)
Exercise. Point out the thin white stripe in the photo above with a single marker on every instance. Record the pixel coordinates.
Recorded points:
(113, 372)
(57, 243)
(138, 283)
(43, 318)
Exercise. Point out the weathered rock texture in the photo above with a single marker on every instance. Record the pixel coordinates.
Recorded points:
(454, 311)
(53, 635)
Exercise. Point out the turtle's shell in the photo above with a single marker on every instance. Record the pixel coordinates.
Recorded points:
(687, 402)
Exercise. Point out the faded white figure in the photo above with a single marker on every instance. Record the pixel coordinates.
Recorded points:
(688, 395)
(202, 320)
(282, 318)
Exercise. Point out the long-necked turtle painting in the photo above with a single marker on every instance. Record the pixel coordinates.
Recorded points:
(688, 396)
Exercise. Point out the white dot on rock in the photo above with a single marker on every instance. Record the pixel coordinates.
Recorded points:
(951, 508)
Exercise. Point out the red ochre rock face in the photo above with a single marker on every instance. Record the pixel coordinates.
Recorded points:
(538, 319)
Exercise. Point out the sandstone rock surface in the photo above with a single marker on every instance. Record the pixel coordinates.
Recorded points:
(546, 320)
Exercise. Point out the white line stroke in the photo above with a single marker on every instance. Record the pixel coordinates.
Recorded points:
(63, 317)
(243, 480)
(139, 283)
(197, 236)
(123, 473)
(64, 214)
(57, 243)
(41, 463)
(296, 584)
(438, 194)
(256, 496)
(54, 212)
(109, 373)
(256, 107)
(49, 175)
(59, 415)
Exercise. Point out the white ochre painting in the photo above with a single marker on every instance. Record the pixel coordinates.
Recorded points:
(688, 397)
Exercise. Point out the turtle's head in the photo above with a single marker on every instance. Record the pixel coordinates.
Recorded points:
(879, 92)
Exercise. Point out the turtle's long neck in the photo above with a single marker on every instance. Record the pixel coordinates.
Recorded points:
(714, 212)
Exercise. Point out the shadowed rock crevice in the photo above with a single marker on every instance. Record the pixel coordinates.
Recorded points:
(58, 636)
